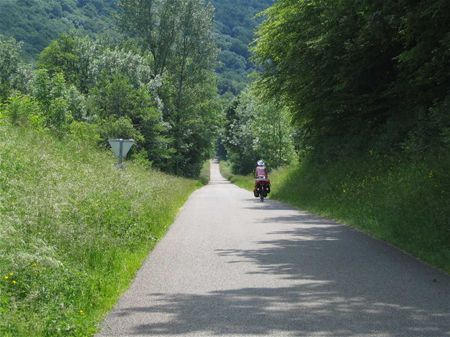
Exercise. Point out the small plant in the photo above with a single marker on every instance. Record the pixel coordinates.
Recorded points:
(23, 110)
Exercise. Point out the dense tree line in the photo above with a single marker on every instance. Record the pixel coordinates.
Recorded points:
(257, 128)
(360, 76)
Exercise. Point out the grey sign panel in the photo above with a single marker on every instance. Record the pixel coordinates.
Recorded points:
(115, 146)
(126, 146)
(121, 147)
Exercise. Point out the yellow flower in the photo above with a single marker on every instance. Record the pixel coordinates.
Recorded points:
(81, 312)
(6, 277)
(11, 274)
(13, 282)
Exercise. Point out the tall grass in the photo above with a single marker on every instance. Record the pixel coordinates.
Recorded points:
(73, 230)
(402, 201)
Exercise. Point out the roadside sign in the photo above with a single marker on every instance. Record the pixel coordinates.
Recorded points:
(121, 147)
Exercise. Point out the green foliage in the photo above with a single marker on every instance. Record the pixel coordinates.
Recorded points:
(50, 92)
(9, 65)
(23, 110)
(235, 22)
(84, 132)
(86, 62)
(62, 56)
(128, 112)
(111, 86)
(257, 129)
(104, 62)
(358, 75)
(71, 240)
(179, 36)
(120, 127)
(37, 23)
(167, 97)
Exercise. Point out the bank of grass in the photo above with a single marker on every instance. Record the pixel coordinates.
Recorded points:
(73, 230)
(404, 202)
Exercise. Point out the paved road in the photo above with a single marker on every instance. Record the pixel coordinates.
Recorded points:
(232, 266)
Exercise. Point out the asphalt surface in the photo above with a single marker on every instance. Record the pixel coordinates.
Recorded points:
(233, 266)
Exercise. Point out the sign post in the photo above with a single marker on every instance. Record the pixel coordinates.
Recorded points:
(121, 147)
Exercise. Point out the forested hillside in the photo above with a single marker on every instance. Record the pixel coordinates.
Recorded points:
(37, 23)
(235, 23)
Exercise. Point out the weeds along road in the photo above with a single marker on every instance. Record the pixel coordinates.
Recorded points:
(232, 266)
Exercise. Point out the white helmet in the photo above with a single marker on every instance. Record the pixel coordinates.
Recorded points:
(260, 163)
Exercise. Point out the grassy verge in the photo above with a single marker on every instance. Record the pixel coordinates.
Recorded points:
(205, 173)
(402, 202)
(73, 231)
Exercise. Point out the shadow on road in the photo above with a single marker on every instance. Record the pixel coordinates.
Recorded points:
(268, 205)
(343, 283)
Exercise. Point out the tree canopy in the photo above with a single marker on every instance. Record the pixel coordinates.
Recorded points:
(360, 75)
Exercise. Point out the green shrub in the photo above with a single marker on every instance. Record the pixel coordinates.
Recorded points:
(119, 128)
(23, 110)
(205, 172)
(226, 169)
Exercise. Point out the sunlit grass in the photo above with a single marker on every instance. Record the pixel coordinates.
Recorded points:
(73, 231)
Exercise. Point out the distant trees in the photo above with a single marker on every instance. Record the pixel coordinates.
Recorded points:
(235, 23)
(257, 129)
(37, 23)
(10, 65)
(179, 36)
(360, 75)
